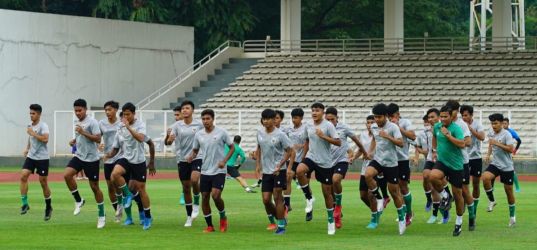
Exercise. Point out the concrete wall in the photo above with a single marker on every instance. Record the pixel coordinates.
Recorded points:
(53, 59)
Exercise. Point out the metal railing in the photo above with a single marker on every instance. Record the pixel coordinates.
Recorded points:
(246, 122)
(396, 45)
(180, 78)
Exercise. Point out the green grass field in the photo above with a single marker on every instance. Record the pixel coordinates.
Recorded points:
(247, 222)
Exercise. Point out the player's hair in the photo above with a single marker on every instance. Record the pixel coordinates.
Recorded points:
(177, 109)
(380, 109)
(297, 112)
(186, 102)
(433, 110)
(505, 119)
(496, 117)
(317, 105)
(237, 139)
(446, 108)
(425, 118)
(80, 103)
(393, 108)
(370, 117)
(36, 107)
(128, 106)
(331, 110)
(268, 114)
(468, 108)
(280, 113)
(209, 112)
(120, 114)
(112, 104)
(454, 104)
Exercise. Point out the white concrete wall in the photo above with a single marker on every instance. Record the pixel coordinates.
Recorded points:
(53, 60)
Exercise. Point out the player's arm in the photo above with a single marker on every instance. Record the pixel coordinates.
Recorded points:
(333, 141)
(110, 154)
(489, 153)
(140, 137)
(242, 155)
(286, 157)
(455, 141)
(356, 141)
(505, 147)
(170, 136)
(467, 141)
(151, 165)
(518, 142)
(480, 135)
(25, 152)
(434, 144)
(222, 164)
(408, 133)
(92, 137)
(257, 159)
(42, 138)
(397, 141)
(372, 147)
(306, 149)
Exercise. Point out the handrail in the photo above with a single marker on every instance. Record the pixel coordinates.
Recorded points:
(396, 45)
(179, 79)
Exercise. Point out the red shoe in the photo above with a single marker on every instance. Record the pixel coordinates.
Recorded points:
(386, 201)
(337, 216)
(223, 225)
(408, 219)
(209, 229)
(272, 227)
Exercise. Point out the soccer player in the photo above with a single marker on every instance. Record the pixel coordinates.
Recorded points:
(403, 163)
(274, 148)
(422, 147)
(211, 141)
(109, 127)
(320, 135)
(183, 133)
(233, 167)
(366, 137)
(474, 151)
(448, 140)
(469, 200)
(518, 142)
(386, 138)
(178, 117)
(87, 137)
(37, 158)
(340, 159)
(295, 134)
(501, 145)
(130, 139)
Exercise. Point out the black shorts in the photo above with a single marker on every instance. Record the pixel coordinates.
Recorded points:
(322, 175)
(91, 169)
(137, 172)
(341, 168)
(208, 182)
(476, 167)
(270, 181)
(428, 165)
(404, 170)
(294, 167)
(108, 168)
(506, 177)
(40, 165)
(233, 171)
(453, 176)
(185, 169)
(363, 184)
(466, 174)
(390, 173)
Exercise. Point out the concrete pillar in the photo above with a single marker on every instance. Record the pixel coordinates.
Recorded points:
(290, 25)
(501, 24)
(393, 25)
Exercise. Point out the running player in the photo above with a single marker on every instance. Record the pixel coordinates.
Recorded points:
(366, 137)
(295, 134)
(178, 117)
(233, 167)
(518, 142)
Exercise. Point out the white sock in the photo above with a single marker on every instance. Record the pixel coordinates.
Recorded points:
(444, 194)
(458, 221)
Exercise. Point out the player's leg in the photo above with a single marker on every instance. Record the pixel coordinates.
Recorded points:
(185, 175)
(92, 172)
(267, 189)
(476, 168)
(146, 202)
(488, 176)
(112, 192)
(117, 178)
(467, 196)
(195, 184)
(216, 194)
(383, 186)
(329, 203)
(507, 178)
(340, 170)
(43, 181)
(427, 188)
(279, 184)
(374, 198)
(291, 174)
(26, 171)
(205, 188)
(459, 205)
(302, 170)
(404, 180)
(73, 167)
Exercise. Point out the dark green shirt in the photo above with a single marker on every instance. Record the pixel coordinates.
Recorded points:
(233, 159)
(447, 152)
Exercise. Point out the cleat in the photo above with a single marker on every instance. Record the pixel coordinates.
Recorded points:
(188, 222)
(127, 201)
(512, 221)
(48, 214)
(272, 227)
(78, 206)
(309, 205)
(471, 224)
(457, 231)
(337, 216)
(256, 185)
(408, 219)
(195, 211)
(119, 212)
(402, 227)
(445, 217)
(432, 219)
(128, 221)
(24, 209)
(147, 223)
(445, 203)
(223, 225)
(209, 229)
(280, 231)
(141, 215)
(372, 225)
(249, 190)
(491, 206)
(182, 199)
(428, 206)
(309, 216)
(101, 221)
(331, 228)
(386, 201)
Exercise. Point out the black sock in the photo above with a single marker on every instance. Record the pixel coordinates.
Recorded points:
(376, 193)
(383, 184)
(436, 205)
(76, 195)
(492, 182)
(114, 205)
(147, 213)
(428, 195)
(287, 201)
(138, 201)
(307, 191)
(490, 194)
(48, 202)
(188, 209)
(259, 181)
(209, 220)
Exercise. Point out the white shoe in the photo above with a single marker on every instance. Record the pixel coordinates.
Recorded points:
(195, 211)
(309, 205)
(119, 213)
(101, 221)
(331, 228)
(78, 206)
(402, 227)
(188, 222)
(491, 206)
(512, 222)
(380, 205)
